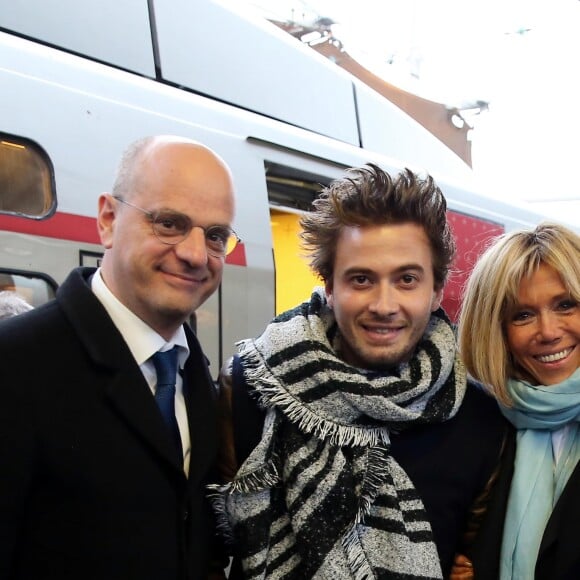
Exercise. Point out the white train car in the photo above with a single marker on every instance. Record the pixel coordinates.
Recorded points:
(79, 81)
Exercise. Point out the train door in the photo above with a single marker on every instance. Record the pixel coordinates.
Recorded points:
(290, 194)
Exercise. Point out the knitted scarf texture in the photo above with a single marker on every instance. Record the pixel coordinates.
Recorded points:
(321, 496)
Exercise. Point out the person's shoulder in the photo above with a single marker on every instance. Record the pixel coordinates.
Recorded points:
(476, 391)
(477, 388)
(74, 298)
(480, 424)
(30, 324)
(480, 404)
(28, 345)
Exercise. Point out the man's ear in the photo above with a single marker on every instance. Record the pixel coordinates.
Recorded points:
(106, 219)
(328, 292)
(437, 299)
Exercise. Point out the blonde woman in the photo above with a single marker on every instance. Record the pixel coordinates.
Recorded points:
(519, 335)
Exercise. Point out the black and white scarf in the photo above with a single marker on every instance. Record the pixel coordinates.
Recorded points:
(321, 496)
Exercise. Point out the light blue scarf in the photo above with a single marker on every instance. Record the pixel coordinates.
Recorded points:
(537, 484)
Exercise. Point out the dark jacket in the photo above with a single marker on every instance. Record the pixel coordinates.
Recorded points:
(449, 463)
(91, 486)
(559, 554)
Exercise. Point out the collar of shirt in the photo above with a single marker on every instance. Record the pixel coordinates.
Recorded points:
(558, 440)
(143, 342)
(141, 339)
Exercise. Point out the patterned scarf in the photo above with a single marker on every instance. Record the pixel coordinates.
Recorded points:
(321, 496)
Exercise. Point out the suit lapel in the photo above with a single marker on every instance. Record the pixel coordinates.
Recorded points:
(200, 398)
(132, 399)
(123, 383)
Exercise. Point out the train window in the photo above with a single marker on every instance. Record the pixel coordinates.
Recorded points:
(27, 185)
(291, 188)
(35, 288)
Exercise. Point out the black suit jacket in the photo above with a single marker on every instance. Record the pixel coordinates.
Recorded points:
(90, 484)
(559, 554)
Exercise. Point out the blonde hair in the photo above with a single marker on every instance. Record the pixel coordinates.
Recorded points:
(492, 291)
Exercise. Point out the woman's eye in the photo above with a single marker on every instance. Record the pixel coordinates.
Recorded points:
(567, 304)
(521, 316)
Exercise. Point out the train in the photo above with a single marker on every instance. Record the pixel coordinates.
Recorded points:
(80, 81)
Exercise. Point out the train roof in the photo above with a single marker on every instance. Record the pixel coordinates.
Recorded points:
(238, 58)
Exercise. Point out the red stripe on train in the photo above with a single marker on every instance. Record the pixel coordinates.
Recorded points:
(78, 228)
(62, 226)
(238, 256)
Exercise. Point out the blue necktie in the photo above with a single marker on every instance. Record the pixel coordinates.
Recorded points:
(166, 367)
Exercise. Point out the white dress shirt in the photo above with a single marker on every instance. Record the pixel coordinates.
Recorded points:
(144, 342)
(558, 440)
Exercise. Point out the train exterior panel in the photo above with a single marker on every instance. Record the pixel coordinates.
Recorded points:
(80, 81)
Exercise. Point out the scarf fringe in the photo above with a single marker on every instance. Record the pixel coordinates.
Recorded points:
(272, 394)
(217, 496)
(377, 473)
(357, 559)
(264, 477)
(310, 423)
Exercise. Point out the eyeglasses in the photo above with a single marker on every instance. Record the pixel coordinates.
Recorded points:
(171, 227)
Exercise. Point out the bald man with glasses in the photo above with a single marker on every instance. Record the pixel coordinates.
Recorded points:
(108, 421)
